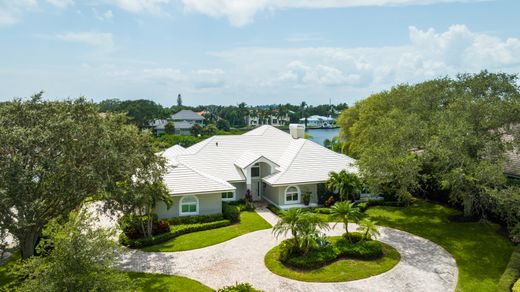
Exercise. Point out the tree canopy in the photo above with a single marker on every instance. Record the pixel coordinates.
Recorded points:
(54, 155)
(444, 136)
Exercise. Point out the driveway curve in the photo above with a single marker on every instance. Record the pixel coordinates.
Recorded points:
(424, 266)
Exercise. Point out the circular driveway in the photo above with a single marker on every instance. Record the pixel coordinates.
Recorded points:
(424, 266)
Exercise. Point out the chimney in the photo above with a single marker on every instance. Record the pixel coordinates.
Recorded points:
(297, 130)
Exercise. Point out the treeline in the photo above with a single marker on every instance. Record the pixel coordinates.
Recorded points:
(444, 139)
(143, 112)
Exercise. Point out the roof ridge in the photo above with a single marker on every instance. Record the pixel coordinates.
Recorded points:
(297, 152)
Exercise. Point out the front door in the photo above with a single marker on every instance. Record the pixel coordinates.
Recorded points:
(256, 190)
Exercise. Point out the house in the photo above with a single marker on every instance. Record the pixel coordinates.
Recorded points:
(158, 127)
(319, 122)
(184, 120)
(273, 120)
(273, 165)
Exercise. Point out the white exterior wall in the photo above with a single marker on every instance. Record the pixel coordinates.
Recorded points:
(208, 204)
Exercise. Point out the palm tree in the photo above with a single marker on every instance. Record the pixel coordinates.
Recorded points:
(368, 228)
(345, 183)
(308, 227)
(288, 222)
(345, 212)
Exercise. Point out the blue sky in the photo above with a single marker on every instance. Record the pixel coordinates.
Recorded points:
(257, 51)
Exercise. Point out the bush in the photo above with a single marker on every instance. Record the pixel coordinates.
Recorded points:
(354, 236)
(239, 287)
(230, 212)
(174, 232)
(314, 259)
(162, 226)
(364, 250)
(274, 209)
(516, 287)
(195, 219)
(330, 201)
(362, 206)
(512, 272)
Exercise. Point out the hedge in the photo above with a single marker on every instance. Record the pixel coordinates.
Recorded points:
(364, 250)
(174, 232)
(195, 219)
(275, 209)
(512, 272)
(239, 287)
(231, 212)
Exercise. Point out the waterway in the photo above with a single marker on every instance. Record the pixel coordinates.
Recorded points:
(319, 135)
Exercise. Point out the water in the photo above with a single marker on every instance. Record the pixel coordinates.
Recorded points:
(319, 135)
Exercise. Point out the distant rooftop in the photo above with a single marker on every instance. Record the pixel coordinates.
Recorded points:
(187, 115)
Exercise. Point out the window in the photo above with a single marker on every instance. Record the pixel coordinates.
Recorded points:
(292, 194)
(228, 196)
(189, 205)
(255, 170)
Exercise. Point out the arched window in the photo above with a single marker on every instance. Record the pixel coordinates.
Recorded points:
(292, 195)
(189, 205)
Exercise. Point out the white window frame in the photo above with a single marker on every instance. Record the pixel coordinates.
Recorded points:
(298, 191)
(256, 165)
(181, 203)
(228, 199)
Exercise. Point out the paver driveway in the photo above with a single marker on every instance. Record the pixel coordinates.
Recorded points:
(424, 266)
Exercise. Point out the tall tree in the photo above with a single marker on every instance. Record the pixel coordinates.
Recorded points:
(345, 183)
(54, 155)
(440, 136)
(179, 100)
(74, 257)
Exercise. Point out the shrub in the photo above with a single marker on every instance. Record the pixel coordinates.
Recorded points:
(516, 287)
(239, 287)
(162, 226)
(288, 249)
(512, 272)
(362, 250)
(230, 212)
(195, 219)
(362, 206)
(355, 237)
(274, 209)
(322, 210)
(174, 232)
(330, 201)
(315, 258)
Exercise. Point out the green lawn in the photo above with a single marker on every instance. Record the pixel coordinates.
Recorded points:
(338, 271)
(480, 251)
(249, 222)
(157, 282)
(143, 281)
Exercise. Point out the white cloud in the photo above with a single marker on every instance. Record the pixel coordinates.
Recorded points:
(11, 11)
(102, 39)
(429, 54)
(106, 16)
(242, 12)
(61, 3)
(140, 6)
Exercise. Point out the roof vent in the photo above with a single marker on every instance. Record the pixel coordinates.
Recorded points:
(297, 130)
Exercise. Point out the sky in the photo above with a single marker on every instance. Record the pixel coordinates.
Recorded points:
(253, 51)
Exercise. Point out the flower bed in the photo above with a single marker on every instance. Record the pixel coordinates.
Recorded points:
(340, 261)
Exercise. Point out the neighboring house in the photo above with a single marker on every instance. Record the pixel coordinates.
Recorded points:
(158, 127)
(512, 168)
(274, 165)
(184, 120)
(272, 120)
(319, 122)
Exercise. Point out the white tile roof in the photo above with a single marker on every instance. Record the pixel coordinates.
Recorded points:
(224, 157)
(181, 179)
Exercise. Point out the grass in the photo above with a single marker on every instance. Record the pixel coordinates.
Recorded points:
(157, 282)
(481, 252)
(143, 281)
(338, 271)
(249, 222)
